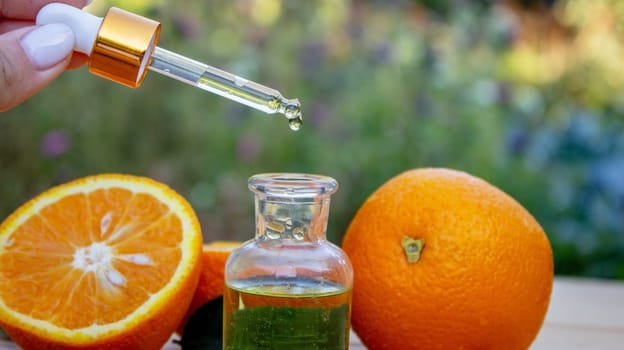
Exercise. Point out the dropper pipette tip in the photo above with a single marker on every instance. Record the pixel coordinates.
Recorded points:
(291, 108)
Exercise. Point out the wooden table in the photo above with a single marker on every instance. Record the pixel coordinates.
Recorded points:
(583, 314)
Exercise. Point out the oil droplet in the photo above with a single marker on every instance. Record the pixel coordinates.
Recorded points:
(276, 226)
(292, 111)
(289, 223)
(295, 123)
(273, 234)
(298, 233)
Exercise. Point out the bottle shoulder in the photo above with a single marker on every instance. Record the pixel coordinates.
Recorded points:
(280, 250)
(323, 260)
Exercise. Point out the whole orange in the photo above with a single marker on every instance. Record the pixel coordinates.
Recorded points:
(444, 260)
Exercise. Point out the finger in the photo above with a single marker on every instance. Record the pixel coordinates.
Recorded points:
(9, 25)
(30, 59)
(78, 59)
(20, 9)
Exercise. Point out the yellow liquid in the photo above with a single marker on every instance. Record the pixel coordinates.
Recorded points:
(269, 317)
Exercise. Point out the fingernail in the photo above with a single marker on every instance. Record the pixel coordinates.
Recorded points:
(48, 45)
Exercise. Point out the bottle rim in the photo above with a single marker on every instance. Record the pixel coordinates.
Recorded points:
(293, 185)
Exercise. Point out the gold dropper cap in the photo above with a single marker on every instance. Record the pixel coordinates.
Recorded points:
(123, 47)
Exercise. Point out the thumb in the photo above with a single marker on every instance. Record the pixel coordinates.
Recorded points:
(30, 58)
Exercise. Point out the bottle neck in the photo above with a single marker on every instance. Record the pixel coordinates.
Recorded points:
(285, 219)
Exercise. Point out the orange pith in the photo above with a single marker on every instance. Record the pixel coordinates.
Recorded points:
(482, 278)
(107, 261)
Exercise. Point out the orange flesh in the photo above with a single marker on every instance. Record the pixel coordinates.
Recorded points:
(51, 269)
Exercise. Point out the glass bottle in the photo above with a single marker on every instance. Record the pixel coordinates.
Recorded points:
(288, 288)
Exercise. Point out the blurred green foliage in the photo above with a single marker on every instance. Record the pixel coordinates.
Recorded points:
(385, 85)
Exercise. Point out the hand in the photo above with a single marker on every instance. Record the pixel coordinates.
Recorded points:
(31, 57)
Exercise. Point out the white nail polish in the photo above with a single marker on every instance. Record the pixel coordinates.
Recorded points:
(48, 45)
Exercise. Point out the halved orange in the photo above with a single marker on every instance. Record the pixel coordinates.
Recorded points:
(211, 280)
(108, 261)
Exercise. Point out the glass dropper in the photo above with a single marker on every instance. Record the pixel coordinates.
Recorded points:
(122, 46)
(225, 84)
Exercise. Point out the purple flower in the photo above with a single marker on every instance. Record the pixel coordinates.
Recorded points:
(55, 143)
(187, 25)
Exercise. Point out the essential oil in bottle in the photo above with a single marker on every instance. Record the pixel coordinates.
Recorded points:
(264, 314)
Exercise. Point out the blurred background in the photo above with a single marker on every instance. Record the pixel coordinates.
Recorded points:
(528, 95)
